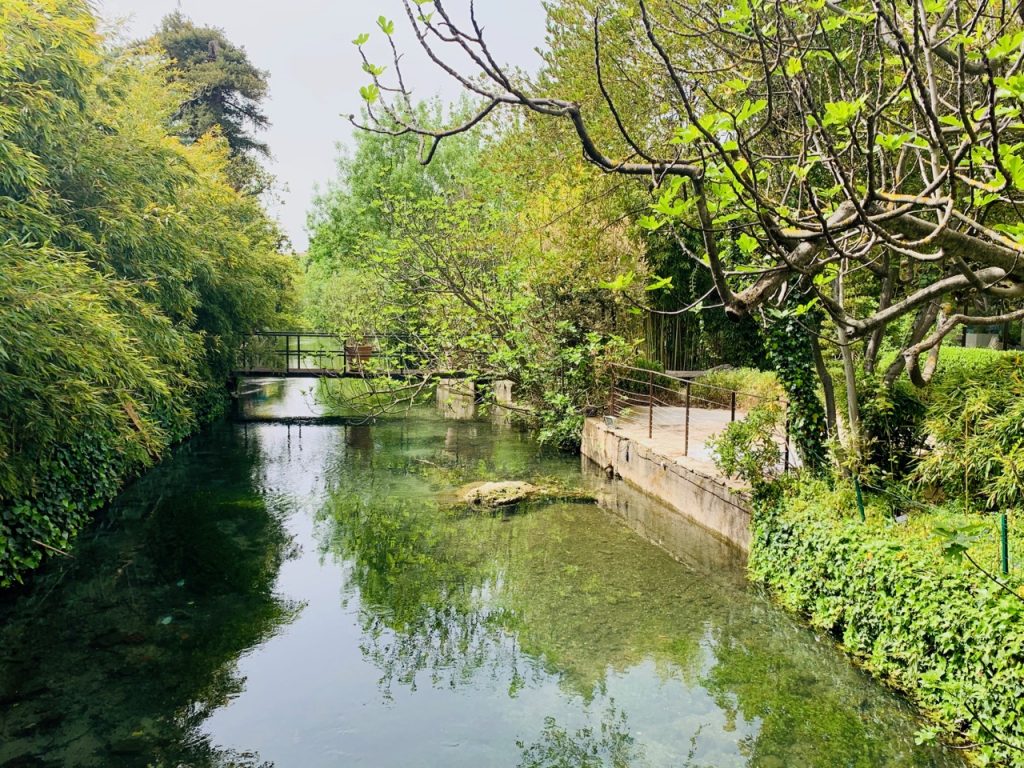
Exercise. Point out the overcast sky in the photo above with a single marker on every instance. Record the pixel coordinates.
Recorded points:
(315, 70)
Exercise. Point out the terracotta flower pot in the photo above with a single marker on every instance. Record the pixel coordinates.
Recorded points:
(357, 355)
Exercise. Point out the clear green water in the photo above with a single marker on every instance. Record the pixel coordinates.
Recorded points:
(295, 596)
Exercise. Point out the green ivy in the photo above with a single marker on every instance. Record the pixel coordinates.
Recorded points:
(788, 344)
(933, 627)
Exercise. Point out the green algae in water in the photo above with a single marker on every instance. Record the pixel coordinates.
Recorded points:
(325, 610)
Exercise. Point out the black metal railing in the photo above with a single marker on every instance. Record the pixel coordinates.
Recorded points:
(285, 353)
(636, 394)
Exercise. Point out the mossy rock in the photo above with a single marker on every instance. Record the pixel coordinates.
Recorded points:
(510, 493)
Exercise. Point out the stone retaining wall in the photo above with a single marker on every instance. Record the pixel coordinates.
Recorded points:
(707, 500)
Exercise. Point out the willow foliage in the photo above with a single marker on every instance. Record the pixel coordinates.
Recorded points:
(128, 267)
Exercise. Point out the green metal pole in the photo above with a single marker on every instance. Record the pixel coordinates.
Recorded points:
(860, 499)
(1003, 535)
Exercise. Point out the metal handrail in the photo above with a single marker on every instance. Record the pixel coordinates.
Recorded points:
(273, 352)
(683, 379)
(639, 398)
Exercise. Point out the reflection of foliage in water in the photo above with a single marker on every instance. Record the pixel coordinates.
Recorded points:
(118, 656)
(809, 713)
(565, 591)
(611, 745)
(424, 575)
(422, 592)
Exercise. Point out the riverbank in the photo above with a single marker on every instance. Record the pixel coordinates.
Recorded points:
(78, 478)
(933, 627)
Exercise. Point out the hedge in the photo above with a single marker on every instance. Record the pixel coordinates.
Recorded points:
(935, 628)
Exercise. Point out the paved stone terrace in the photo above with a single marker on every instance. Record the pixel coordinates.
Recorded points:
(668, 436)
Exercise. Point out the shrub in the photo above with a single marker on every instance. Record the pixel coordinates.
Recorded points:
(753, 388)
(935, 628)
(975, 416)
(960, 364)
(747, 448)
(892, 421)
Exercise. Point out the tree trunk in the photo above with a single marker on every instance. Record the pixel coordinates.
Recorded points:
(827, 386)
(850, 375)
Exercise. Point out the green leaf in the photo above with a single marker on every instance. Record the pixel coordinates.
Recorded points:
(956, 537)
(361, 40)
(750, 109)
(805, 308)
(747, 244)
(891, 142)
(370, 93)
(824, 278)
(651, 223)
(620, 282)
(660, 283)
(841, 113)
(386, 25)
(1006, 46)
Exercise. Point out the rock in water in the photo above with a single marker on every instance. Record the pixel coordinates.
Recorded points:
(499, 494)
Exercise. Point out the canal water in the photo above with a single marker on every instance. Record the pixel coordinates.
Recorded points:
(299, 595)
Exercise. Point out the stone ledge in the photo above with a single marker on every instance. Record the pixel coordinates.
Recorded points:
(708, 500)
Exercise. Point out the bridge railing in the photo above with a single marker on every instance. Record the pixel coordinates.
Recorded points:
(296, 353)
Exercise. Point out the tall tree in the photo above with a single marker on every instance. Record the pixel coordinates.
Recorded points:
(225, 91)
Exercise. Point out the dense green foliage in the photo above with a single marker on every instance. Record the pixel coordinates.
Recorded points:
(461, 265)
(222, 91)
(128, 268)
(891, 419)
(700, 339)
(961, 438)
(935, 627)
(976, 421)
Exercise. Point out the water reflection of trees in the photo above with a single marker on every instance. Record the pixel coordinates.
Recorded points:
(610, 745)
(118, 656)
(424, 580)
(565, 591)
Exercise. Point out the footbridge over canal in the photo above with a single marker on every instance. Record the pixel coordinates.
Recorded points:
(320, 355)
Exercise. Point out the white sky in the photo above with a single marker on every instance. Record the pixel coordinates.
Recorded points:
(315, 70)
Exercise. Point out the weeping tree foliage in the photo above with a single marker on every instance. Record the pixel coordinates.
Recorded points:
(864, 155)
(128, 268)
